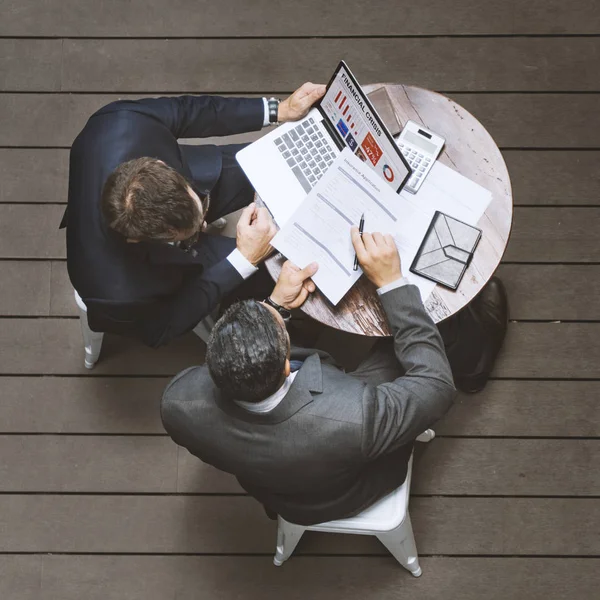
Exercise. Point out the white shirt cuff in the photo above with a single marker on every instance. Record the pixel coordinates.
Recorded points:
(392, 286)
(241, 264)
(266, 117)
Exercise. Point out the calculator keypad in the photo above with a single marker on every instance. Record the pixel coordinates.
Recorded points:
(419, 163)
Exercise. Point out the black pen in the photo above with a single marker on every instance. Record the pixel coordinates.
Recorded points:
(361, 228)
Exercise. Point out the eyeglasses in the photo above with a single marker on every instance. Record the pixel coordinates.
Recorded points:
(187, 244)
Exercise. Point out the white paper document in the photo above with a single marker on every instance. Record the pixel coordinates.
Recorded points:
(452, 193)
(319, 230)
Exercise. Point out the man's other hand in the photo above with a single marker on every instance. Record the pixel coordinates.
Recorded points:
(298, 104)
(255, 230)
(378, 256)
(294, 285)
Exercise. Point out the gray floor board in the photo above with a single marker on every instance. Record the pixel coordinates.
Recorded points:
(255, 578)
(450, 466)
(29, 65)
(256, 18)
(550, 177)
(574, 291)
(539, 234)
(526, 408)
(121, 405)
(55, 347)
(39, 175)
(238, 524)
(27, 288)
(81, 405)
(252, 65)
(555, 235)
(514, 120)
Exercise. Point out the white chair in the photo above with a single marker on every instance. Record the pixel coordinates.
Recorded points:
(92, 341)
(388, 519)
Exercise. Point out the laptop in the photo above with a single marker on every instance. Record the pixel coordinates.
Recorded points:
(284, 165)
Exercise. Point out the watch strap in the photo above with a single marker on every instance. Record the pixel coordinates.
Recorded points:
(284, 312)
(273, 104)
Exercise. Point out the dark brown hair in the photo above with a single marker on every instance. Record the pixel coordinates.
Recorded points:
(145, 199)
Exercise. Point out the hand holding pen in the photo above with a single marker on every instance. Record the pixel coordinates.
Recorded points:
(361, 228)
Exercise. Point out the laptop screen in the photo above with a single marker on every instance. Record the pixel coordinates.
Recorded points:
(349, 111)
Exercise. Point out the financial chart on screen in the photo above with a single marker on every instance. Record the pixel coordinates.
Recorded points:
(346, 107)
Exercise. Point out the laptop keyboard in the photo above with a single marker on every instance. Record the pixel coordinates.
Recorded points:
(307, 151)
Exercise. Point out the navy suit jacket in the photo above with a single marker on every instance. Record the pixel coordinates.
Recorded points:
(152, 291)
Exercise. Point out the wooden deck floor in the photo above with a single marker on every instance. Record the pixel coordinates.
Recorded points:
(95, 501)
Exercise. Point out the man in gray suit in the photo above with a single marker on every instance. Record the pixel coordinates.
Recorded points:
(309, 441)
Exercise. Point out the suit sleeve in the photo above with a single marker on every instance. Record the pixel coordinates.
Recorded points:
(198, 116)
(196, 299)
(396, 413)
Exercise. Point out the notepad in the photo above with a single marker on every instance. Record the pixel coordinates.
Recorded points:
(446, 250)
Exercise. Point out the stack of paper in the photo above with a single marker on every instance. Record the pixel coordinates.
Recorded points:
(319, 230)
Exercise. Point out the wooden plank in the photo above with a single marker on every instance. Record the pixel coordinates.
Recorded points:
(536, 120)
(31, 231)
(466, 467)
(539, 234)
(526, 408)
(91, 464)
(508, 467)
(574, 290)
(556, 235)
(256, 18)
(254, 578)
(121, 405)
(203, 18)
(542, 16)
(513, 120)
(552, 292)
(20, 577)
(252, 65)
(54, 347)
(39, 175)
(29, 65)
(554, 176)
(28, 292)
(538, 177)
(554, 350)
(238, 524)
(62, 300)
(41, 120)
(81, 405)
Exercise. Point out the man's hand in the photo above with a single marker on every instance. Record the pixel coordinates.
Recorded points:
(255, 230)
(378, 256)
(298, 104)
(294, 285)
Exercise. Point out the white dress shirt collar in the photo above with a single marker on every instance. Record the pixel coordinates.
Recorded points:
(268, 404)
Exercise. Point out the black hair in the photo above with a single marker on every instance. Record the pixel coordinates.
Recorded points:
(246, 352)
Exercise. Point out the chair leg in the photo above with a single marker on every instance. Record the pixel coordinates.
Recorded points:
(203, 329)
(401, 544)
(288, 536)
(92, 340)
(426, 436)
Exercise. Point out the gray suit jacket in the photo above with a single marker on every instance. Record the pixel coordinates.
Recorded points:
(335, 444)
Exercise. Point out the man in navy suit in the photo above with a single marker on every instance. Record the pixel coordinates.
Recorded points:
(139, 202)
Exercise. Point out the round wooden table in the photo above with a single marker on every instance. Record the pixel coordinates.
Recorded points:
(471, 151)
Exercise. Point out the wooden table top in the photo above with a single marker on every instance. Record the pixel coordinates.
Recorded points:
(471, 151)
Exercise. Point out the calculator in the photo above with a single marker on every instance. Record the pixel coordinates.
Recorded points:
(420, 148)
